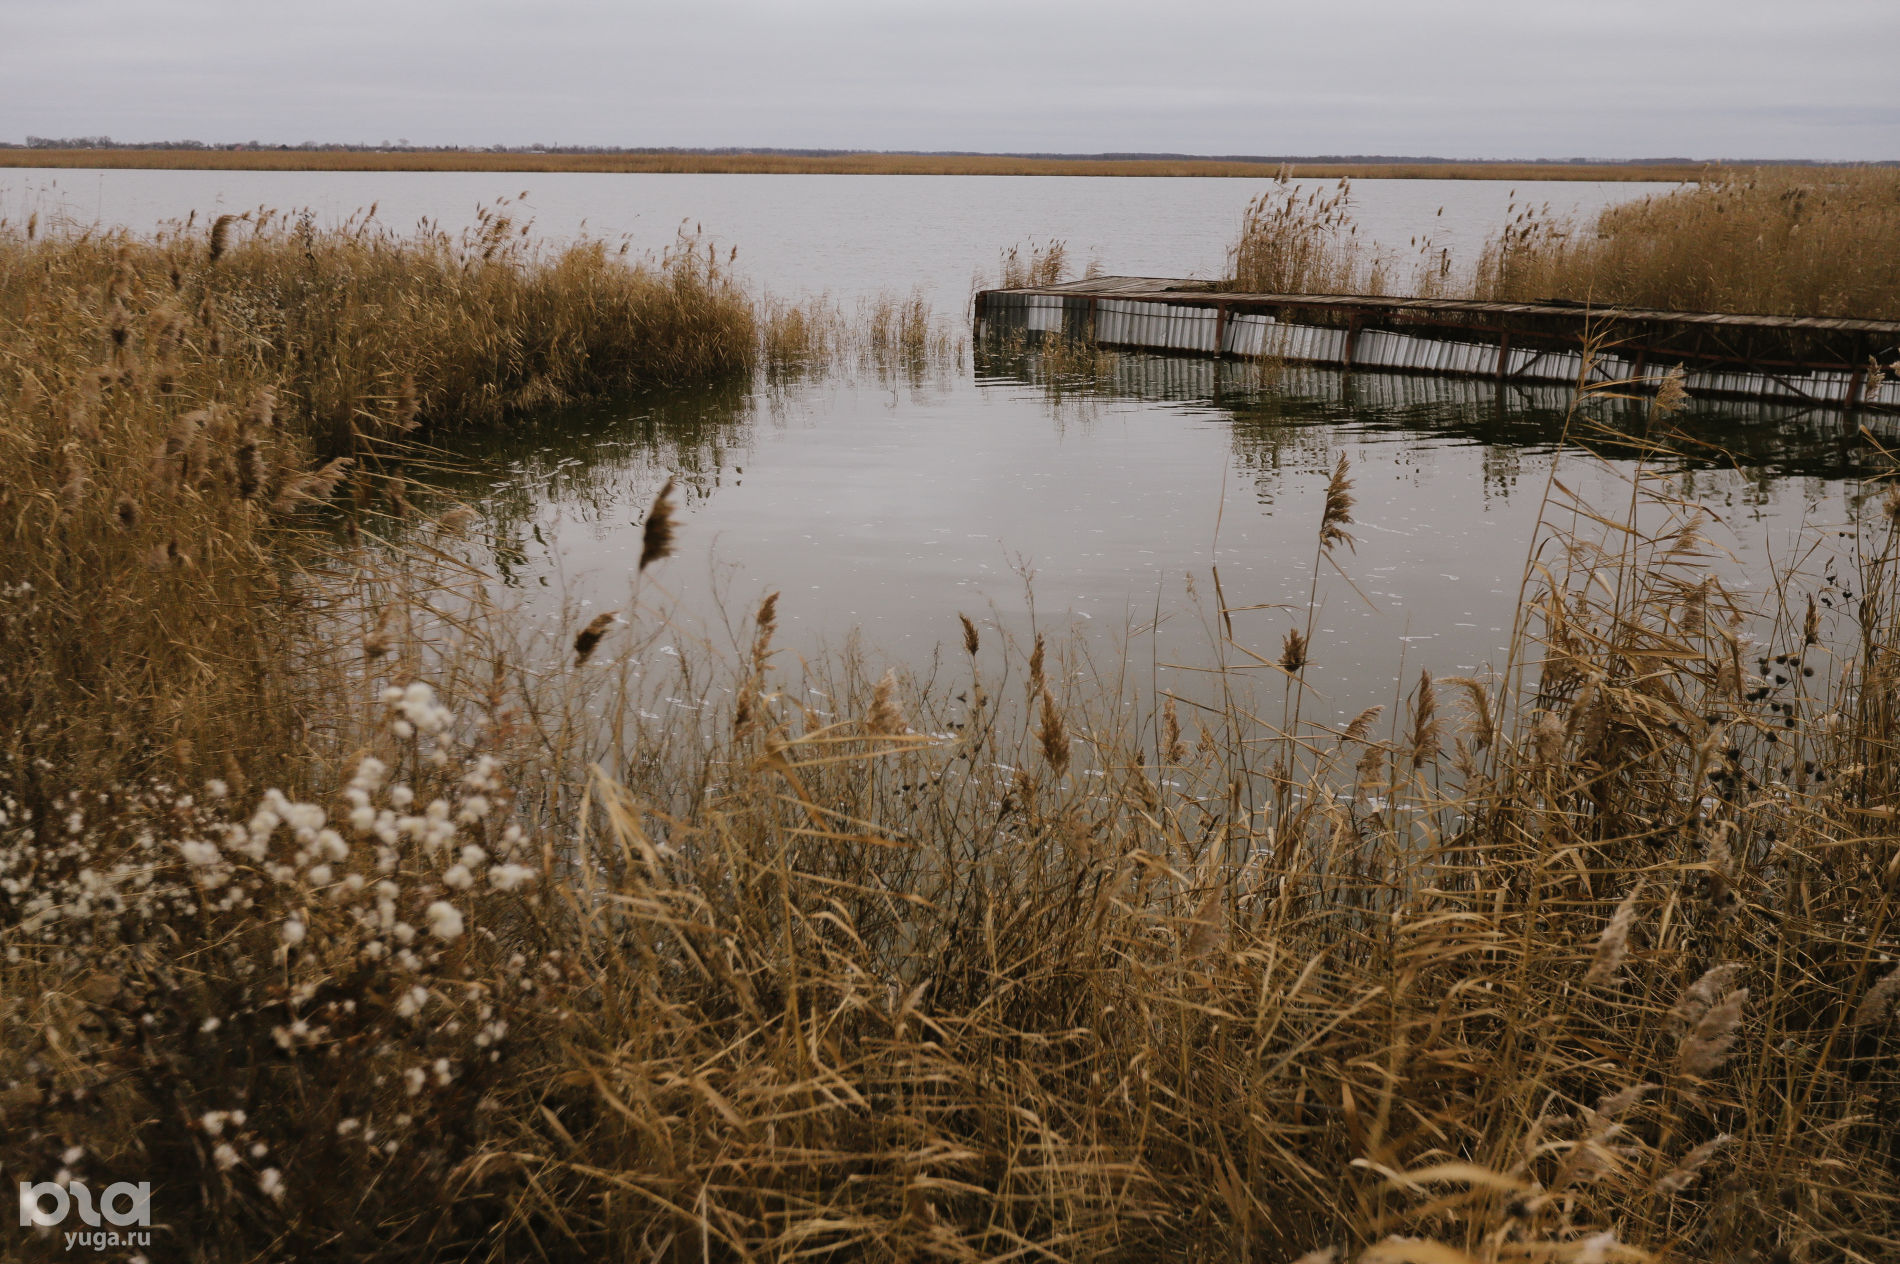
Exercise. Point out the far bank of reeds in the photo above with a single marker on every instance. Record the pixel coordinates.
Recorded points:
(1783, 241)
(263, 158)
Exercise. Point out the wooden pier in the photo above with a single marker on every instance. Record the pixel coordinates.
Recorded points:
(1822, 361)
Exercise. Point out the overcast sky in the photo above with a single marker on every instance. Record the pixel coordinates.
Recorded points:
(1459, 78)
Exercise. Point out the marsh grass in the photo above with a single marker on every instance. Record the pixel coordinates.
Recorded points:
(1030, 264)
(882, 336)
(1788, 241)
(720, 954)
(1303, 241)
(179, 410)
(1569, 969)
(1775, 241)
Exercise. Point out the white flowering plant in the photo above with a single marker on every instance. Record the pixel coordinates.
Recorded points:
(257, 1009)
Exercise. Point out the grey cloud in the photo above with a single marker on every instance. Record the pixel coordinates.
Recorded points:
(1477, 78)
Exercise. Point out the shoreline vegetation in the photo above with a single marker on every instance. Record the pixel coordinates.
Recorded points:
(263, 159)
(1784, 241)
(368, 923)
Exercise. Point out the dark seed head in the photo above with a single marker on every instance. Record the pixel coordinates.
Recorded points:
(657, 537)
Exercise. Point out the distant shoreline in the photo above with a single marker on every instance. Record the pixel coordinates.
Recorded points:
(832, 164)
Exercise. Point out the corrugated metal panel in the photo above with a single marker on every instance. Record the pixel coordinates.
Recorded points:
(1311, 344)
(1045, 313)
(1564, 366)
(1246, 335)
(1198, 328)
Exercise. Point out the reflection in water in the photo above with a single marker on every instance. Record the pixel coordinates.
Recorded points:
(600, 464)
(1093, 499)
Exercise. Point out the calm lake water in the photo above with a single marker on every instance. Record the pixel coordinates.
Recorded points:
(890, 510)
(846, 235)
(890, 507)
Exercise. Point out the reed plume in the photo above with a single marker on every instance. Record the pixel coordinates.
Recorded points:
(221, 236)
(1426, 741)
(886, 717)
(1336, 516)
(1052, 735)
(1880, 1000)
(1293, 652)
(590, 636)
(1613, 943)
(1710, 1043)
(1683, 1174)
(1173, 749)
(656, 537)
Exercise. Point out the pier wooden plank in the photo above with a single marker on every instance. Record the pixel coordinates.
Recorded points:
(1820, 359)
(1171, 289)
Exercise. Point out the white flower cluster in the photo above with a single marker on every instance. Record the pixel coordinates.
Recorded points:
(419, 710)
(296, 913)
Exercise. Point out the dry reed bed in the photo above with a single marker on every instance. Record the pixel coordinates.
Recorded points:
(829, 164)
(174, 407)
(1591, 962)
(1790, 241)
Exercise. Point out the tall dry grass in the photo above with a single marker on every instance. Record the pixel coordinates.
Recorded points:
(1304, 241)
(1787, 241)
(570, 949)
(883, 334)
(1782, 241)
(176, 412)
